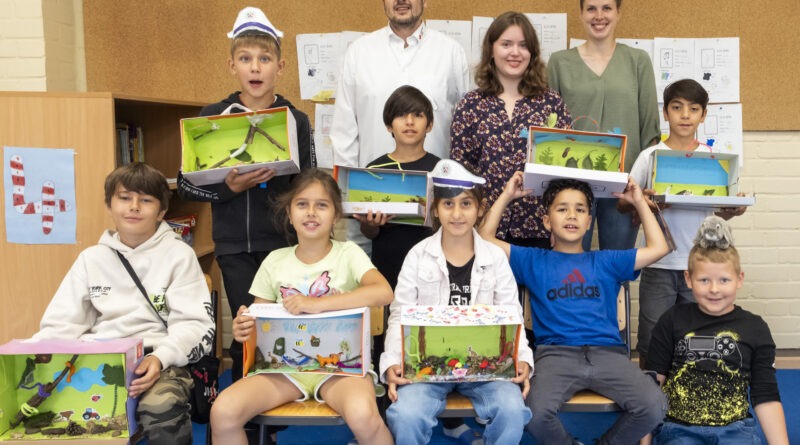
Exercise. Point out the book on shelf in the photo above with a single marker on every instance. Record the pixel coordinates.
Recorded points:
(130, 143)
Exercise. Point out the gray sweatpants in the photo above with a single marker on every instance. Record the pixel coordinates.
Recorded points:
(561, 371)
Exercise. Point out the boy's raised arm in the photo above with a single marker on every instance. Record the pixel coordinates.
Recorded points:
(488, 229)
(656, 246)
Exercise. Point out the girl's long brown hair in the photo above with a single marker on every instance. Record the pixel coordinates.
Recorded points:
(534, 80)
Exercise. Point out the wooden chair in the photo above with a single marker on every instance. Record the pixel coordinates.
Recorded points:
(584, 401)
(214, 312)
(309, 412)
(590, 401)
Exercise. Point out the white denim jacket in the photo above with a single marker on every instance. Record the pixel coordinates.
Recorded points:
(424, 279)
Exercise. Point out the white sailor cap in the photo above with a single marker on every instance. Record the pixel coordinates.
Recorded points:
(451, 178)
(253, 19)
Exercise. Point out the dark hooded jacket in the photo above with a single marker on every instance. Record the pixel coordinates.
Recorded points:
(246, 221)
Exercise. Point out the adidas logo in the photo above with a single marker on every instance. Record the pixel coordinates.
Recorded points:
(574, 286)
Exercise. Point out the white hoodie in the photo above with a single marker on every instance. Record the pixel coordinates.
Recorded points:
(98, 299)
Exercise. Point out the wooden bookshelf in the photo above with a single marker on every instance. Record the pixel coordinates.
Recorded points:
(85, 122)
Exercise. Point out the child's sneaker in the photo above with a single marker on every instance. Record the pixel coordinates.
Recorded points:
(464, 435)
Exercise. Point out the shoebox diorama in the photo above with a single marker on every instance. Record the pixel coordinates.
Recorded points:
(402, 193)
(334, 342)
(213, 145)
(68, 389)
(460, 343)
(697, 179)
(596, 158)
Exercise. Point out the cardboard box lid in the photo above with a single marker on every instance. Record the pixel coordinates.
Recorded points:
(578, 149)
(603, 184)
(271, 310)
(400, 209)
(60, 346)
(705, 201)
(475, 315)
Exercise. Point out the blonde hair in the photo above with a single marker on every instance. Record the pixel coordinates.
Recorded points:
(714, 255)
(259, 39)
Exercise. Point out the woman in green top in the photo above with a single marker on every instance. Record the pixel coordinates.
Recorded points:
(614, 85)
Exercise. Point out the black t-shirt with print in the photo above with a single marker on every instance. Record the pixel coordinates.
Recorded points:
(460, 277)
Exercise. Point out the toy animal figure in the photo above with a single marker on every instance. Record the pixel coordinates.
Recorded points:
(280, 346)
(714, 232)
(331, 360)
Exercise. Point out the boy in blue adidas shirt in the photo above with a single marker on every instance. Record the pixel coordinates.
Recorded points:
(573, 301)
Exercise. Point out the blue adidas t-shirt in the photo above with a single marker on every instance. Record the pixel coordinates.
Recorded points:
(574, 295)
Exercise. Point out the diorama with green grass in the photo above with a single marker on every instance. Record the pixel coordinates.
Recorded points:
(210, 140)
(695, 175)
(459, 343)
(213, 145)
(577, 149)
(65, 395)
(365, 186)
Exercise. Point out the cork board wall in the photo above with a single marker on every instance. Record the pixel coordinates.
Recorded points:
(177, 49)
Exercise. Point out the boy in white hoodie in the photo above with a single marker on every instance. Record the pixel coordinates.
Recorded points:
(99, 299)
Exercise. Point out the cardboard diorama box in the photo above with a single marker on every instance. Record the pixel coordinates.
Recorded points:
(68, 389)
(213, 145)
(403, 193)
(334, 342)
(595, 158)
(460, 343)
(603, 184)
(697, 179)
(577, 149)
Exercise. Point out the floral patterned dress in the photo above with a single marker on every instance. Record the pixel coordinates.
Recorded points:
(484, 140)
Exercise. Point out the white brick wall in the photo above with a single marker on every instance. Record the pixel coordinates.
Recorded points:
(22, 55)
(41, 45)
(767, 235)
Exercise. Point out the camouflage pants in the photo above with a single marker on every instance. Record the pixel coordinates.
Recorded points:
(163, 410)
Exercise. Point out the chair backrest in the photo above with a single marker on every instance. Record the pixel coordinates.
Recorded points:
(377, 317)
(624, 314)
(214, 303)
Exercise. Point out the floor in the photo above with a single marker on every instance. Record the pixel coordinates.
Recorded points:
(584, 426)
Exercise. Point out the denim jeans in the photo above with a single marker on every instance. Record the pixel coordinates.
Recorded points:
(561, 371)
(659, 290)
(615, 230)
(412, 417)
(741, 432)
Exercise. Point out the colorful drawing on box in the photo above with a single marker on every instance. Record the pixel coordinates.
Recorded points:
(688, 175)
(318, 345)
(595, 151)
(236, 141)
(459, 343)
(40, 192)
(365, 186)
(383, 186)
(88, 405)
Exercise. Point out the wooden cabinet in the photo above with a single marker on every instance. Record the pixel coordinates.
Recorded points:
(84, 122)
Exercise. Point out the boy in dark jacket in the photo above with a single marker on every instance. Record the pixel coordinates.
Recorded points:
(244, 229)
